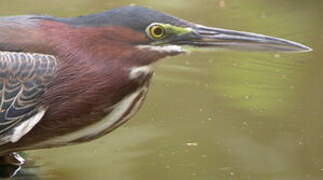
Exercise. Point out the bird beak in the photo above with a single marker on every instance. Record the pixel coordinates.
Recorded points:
(202, 36)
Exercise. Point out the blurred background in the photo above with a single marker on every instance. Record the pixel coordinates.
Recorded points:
(209, 115)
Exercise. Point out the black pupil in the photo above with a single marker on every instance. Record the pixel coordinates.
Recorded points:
(158, 31)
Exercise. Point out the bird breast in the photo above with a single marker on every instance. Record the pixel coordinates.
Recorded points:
(118, 114)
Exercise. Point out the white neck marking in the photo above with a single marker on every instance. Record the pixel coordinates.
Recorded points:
(136, 72)
(163, 49)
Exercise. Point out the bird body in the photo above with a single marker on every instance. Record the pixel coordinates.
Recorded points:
(70, 80)
(94, 81)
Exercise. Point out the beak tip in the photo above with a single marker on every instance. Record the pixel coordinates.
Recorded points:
(308, 49)
(303, 49)
(291, 46)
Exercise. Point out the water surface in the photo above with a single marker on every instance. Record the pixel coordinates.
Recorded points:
(215, 115)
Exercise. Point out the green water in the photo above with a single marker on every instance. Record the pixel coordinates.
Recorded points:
(212, 115)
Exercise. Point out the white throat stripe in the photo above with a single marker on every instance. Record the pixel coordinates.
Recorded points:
(166, 49)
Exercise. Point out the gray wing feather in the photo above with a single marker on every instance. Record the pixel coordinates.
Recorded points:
(24, 77)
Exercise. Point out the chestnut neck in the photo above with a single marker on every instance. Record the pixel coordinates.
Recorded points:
(109, 44)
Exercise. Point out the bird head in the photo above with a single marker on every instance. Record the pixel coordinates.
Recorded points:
(150, 31)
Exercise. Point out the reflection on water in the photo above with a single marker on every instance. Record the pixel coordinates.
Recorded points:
(18, 172)
(217, 115)
(9, 171)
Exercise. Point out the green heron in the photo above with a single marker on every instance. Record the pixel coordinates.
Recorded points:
(70, 80)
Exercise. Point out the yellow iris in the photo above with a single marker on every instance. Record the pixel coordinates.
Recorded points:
(157, 31)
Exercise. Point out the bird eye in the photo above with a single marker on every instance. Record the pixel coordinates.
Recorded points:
(156, 31)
